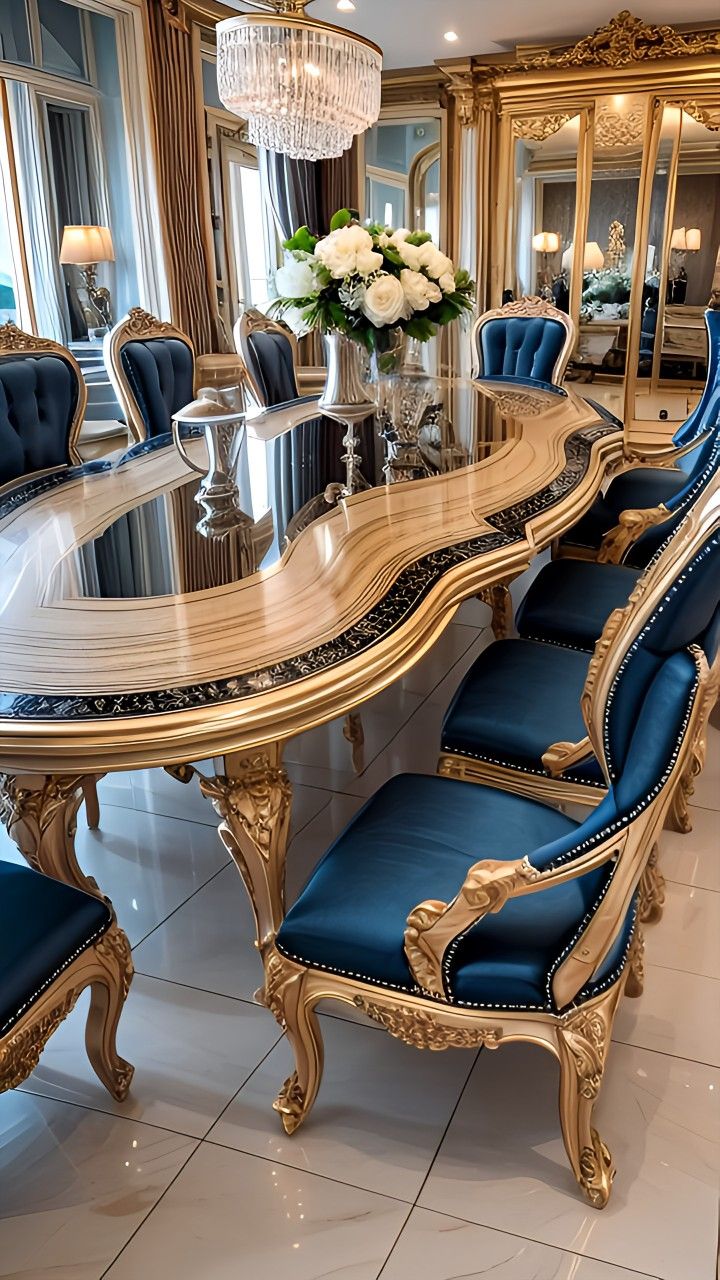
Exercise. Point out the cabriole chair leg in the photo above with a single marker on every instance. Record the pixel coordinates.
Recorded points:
(290, 1006)
(583, 1039)
(107, 998)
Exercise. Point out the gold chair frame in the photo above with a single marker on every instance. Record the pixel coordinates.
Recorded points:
(136, 326)
(579, 1037)
(254, 321)
(530, 307)
(105, 967)
(16, 342)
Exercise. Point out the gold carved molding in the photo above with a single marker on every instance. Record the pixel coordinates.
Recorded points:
(626, 39)
(708, 116)
(538, 128)
(424, 1030)
(615, 128)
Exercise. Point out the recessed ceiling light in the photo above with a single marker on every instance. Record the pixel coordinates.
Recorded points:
(345, 6)
(450, 36)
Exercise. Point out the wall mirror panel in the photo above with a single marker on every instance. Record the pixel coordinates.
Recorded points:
(546, 181)
(403, 171)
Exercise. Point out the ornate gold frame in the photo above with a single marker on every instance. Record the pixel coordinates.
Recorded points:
(254, 321)
(136, 326)
(106, 967)
(15, 342)
(530, 308)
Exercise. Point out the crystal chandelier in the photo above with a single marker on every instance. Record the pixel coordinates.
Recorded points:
(304, 87)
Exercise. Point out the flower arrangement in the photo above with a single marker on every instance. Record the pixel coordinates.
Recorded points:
(364, 281)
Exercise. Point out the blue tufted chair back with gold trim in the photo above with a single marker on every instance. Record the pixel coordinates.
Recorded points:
(269, 357)
(151, 365)
(527, 342)
(42, 401)
(700, 419)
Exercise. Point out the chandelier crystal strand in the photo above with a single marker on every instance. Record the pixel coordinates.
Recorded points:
(304, 88)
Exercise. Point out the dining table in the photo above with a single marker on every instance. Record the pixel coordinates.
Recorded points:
(130, 639)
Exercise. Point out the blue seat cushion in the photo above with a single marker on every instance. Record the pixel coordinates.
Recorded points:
(635, 490)
(38, 399)
(416, 839)
(44, 925)
(160, 372)
(569, 601)
(518, 698)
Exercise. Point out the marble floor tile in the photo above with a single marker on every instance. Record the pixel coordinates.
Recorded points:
(707, 786)
(75, 1185)
(323, 758)
(502, 1163)
(378, 1118)
(155, 791)
(688, 936)
(231, 1216)
(191, 1051)
(678, 1013)
(147, 864)
(434, 1247)
(694, 858)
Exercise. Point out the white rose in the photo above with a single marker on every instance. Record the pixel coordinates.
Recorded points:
(436, 263)
(338, 253)
(418, 290)
(384, 300)
(383, 239)
(296, 277)
(410, 255)
(367, 262)
(357, 236)
(400, 236)
(293, 317)
(447, 282)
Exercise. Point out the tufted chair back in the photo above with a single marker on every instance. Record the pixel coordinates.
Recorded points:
(527, 341)
(151, 365)
(698, 421)
(269, 350)
(42, 403)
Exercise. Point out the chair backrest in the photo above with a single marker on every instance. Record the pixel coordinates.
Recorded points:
(698, 423)
(151, 365)
(529, 339)
(270, 352)
(42, 404)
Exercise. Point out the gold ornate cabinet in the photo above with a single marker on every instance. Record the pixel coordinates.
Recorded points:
(594, 172)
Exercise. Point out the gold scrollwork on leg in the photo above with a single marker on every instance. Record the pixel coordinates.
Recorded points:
(498, 599)
(285, 994)
(425, 1030)
(253, 799)
(651, 890)
(354, 733)
(583, 1037)
(39, 813)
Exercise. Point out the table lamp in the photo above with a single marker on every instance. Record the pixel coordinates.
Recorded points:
(593, 257)
(84, 247)
(545, 242)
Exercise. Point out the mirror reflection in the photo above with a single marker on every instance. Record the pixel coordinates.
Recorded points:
(546, 186)
(402, 173)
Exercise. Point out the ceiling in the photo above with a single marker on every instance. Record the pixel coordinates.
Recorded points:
(411, 31)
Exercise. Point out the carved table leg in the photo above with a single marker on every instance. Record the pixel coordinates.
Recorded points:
(39, 812)
(498, 598)
(651, 890)
(252, 799)
(92, 804)
(583, 1039)
(636, 965)
(354, 733)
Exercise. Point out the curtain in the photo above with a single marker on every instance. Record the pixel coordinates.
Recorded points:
(41, 240)
(180, 155)
(303, 462)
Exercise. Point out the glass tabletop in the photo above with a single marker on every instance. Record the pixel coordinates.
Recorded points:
(422, 426)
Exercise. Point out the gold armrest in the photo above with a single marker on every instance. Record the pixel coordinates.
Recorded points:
(631, 525)
(563, 755)
(664, 457)
(432, 926)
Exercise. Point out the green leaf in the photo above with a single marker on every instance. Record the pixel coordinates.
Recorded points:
(419, 237)
(421, 328)
(340, 219)
(301, 240)
(390, 254)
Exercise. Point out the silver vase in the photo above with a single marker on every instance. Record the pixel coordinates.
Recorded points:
(346, 399)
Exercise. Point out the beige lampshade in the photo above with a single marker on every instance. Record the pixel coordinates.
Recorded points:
(83, 245)
(593, 258)
(546, 242)
(678, 238)
(693, 239)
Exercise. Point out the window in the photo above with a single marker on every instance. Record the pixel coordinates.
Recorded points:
(62, 40)
(8, 289)
(14, 33)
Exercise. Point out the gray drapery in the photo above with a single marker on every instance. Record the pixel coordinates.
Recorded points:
(307, 193)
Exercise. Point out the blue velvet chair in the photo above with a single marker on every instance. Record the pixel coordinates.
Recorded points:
(517, 718)
(527, 342)
(54, 942)
(42, 404)
(538, 938)
(151, 366)
(637, 498)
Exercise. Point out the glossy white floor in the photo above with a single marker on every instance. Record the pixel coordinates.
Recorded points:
(413, 1166)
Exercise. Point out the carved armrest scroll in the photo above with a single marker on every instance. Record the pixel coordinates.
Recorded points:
(563, 755)
(631, 525)
(664, 457)
(432, 926)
